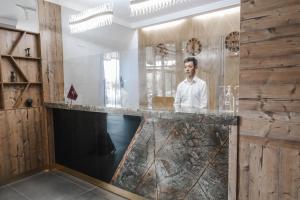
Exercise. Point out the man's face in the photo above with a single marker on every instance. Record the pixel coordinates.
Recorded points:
(189, 69)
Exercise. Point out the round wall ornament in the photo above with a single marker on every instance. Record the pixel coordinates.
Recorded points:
(193, 47)
(161, 50)
(232, 42)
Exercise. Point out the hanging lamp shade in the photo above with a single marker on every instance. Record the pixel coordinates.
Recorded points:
(144, 7)
(91, 18)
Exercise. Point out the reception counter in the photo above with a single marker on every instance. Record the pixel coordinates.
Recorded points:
(173, 154)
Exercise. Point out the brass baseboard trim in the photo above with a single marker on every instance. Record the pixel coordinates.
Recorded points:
(24, 175)
(98, 183)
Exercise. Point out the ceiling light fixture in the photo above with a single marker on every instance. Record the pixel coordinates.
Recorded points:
(91, 18)
(144, 7)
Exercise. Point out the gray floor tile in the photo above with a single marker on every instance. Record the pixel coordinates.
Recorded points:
(47, 186)
(6, 193)
(77, 181)
(90, 196)
(99, 194)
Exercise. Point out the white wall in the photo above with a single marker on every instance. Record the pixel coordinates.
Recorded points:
(83, 65)
(83, 68)
(19, 14)
(130, 70)
(29, 22)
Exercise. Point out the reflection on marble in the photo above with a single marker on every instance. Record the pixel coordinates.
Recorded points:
(177, 159)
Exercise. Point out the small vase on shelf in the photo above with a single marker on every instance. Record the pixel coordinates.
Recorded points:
(13, 77)
(27, 52)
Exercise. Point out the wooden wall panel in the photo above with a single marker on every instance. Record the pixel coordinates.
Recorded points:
(21, 142)
(269, 149)
(25, 133)
(268, 171)
(51, 50)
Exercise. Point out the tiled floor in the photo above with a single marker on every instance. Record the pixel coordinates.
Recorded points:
(54, 185)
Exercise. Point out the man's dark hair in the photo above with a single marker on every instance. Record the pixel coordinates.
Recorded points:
(191, 59)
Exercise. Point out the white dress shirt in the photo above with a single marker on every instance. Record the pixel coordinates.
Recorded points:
(191, 93)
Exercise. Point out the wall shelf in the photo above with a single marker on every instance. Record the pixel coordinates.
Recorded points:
(21, 57)
(26, 69)
(22, 83)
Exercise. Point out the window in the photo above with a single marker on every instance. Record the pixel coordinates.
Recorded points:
(111, 63)
(161, 71)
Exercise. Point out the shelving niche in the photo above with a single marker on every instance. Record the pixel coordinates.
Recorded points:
(26, 69)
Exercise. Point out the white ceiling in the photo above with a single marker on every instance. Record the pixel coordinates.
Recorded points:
(9, 10)
(12, 11)
(122, 10)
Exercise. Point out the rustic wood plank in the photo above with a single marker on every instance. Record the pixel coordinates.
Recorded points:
(281, 16)
(233, 163)
(263, 172)
(270, 142)
(15, 144)
(285, 117)
(271, 129)
(25, 116)
(15, 64)
(289, 174)
(2, 105)
(20, 97)
(4, 158)
(291, 60)
(271, 91)
(30, 69)
(35, 138)
(48, 137)
(253, 7)
(270, 76)
(271, 48)
(243, 173)
(51, 51)
(1, 86)
(269, 34)
(269, 105)
(22, 35)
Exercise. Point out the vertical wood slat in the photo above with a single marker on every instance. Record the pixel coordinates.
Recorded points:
(51, 50)
(2, 105)
(233, 163)
(289, 175)
(263, 173)
(48, 137)
(268, 170)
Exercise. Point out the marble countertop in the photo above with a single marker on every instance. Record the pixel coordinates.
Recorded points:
(179, 113)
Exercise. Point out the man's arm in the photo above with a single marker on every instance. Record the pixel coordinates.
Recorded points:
(203, 101)
(177, 101)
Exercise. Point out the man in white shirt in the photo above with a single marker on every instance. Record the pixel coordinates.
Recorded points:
(192, 92)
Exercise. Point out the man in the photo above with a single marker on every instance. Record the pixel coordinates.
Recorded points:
(191, 92)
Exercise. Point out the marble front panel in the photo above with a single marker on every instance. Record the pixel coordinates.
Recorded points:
(177, 159)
